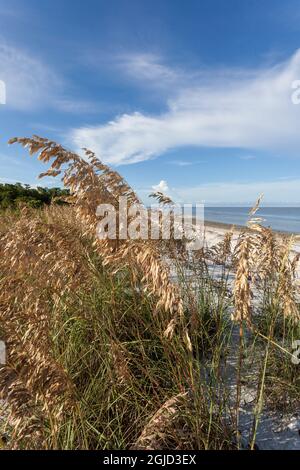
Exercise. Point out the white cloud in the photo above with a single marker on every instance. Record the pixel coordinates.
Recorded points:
(162, 186)
(149, 69)
(240, 109)
(29, 83)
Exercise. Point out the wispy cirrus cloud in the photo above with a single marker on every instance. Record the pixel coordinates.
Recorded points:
(32, 84)
(249, 109)
(149, 69)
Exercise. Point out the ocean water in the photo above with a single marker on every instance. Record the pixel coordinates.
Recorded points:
(286, 219)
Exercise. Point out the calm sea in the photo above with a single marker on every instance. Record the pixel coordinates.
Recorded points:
(285, 219)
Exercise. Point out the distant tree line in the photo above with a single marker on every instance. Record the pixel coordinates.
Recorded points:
(12, 195)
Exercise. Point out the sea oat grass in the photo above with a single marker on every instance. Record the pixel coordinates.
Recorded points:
(104, 351)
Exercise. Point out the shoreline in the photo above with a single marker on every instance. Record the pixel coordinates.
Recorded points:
(239, 228)
(214, 233)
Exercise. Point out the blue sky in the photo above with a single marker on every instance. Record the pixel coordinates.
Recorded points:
(192, 97)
